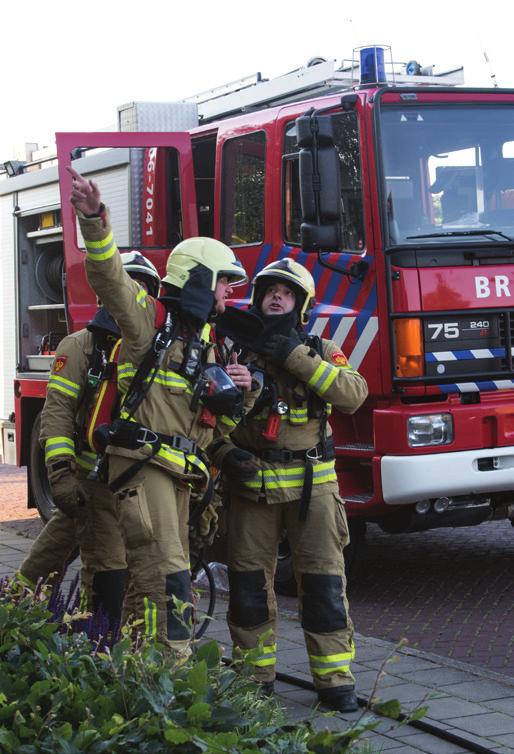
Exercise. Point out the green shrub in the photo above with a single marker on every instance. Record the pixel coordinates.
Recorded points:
(60, 694)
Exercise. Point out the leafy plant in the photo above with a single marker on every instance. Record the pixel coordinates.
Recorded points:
(61, 693)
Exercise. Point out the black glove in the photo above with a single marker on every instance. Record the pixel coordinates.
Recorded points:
(239, 464)
(278, 347)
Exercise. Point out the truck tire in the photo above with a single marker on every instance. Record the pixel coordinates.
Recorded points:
(38, 478)
(285, 582)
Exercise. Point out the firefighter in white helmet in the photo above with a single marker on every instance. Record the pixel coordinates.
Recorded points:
(170, 404)
(85, 515)
(287, 438)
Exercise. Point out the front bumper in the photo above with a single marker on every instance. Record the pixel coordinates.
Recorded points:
(407, 479)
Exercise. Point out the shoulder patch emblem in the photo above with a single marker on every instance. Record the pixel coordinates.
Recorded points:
(59, 363)
(339, 358)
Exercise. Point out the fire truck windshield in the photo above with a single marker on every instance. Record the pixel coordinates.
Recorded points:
(447, 169)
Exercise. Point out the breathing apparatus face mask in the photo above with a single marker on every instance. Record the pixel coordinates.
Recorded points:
(218, 393)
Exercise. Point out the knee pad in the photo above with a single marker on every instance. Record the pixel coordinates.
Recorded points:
(178, 585)
(248, 601)
(323, 608)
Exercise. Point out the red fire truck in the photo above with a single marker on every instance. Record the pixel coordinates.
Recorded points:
(400, 201)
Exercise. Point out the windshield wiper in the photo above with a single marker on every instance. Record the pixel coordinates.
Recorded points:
(453, 233)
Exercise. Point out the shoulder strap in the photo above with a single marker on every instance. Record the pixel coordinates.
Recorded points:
(96, 365)
(107, 399)
(149, 366)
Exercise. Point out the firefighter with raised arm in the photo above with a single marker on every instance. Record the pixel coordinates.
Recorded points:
(295, 489)
(85, 514)
(172, 397)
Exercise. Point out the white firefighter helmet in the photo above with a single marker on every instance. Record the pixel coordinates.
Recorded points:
(140, 268)
(208, 252)
(291, 273)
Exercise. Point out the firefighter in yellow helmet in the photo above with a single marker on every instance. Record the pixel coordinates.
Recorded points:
(288, 438)
(85, 515)
(172, 401)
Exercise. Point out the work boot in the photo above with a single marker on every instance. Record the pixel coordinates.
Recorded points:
(339, 698)
(267, 688)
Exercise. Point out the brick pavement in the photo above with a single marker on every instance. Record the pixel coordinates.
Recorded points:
(476, 705)
(448, 591)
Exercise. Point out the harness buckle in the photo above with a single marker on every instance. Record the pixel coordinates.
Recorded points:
(314, 454)
(94, 378)
(145, 436)
(183, 444)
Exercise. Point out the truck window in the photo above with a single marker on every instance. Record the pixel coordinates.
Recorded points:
(242, 199)
(346, 132)
(204, 160)
(447, 169)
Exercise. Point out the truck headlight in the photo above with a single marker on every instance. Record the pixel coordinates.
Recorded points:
(430, 429)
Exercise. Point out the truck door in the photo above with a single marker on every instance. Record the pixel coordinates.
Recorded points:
(151, 196)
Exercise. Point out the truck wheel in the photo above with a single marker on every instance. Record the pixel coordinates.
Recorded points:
(38, 478)
(285, 582)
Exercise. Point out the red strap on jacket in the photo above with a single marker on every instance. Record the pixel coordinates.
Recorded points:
(106, 399)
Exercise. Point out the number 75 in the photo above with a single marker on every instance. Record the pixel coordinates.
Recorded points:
(449, 330)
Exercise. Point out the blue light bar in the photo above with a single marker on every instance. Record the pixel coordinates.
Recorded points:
(372, 66)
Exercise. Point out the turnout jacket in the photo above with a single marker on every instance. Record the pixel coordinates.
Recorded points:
(330, 378)
(65, 414)
(166, 407)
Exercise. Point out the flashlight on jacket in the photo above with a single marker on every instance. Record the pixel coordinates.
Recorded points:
(278, 409)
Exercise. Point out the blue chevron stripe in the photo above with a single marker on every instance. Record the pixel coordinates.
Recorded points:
(462, 355)
(475, 387)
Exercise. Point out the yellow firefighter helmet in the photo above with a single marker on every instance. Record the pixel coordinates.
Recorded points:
(208, 252)
(292, 273)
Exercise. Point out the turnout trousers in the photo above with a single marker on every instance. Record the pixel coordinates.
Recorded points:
(153, 511)
(254, 532)
(102, 551)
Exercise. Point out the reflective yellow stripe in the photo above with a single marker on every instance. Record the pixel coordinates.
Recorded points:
(86, 460)
(56, 382)
(126, 370)
(165, 377)
(205, 335)
(287, 478)
(100, 251)
(338, 663)
(298, 415)
(150, 614)
(268, 657)
(176, 457)
(141, 297)
(227, 421)
(59, 446)
(322, 378)
(195, 461)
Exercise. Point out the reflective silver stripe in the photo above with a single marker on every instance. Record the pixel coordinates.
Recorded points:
(100, 251)
(322, 378)
(68, 387)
